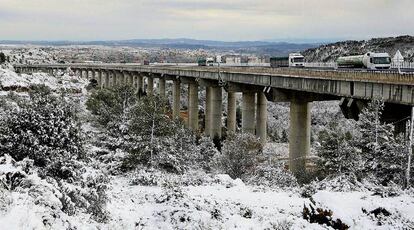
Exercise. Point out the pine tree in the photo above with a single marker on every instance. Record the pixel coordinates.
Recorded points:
(337, 152)
(383, 154)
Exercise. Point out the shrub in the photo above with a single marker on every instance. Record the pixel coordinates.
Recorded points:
(273, 175)
(44, 128)
(239, 155)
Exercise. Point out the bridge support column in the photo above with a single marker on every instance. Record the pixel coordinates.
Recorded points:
(134, 80)
(99, 74)
(150, 87)
(113, 76)
(176, 99)
(216, 112)
(299, 137)
(261, 117)
(125, 78)
(140, 85)
(207, 112)
(248, 112)
(106, 83)
(162, 87)
(121, 77)
(193, 106)
(131, 80)
(231, 112)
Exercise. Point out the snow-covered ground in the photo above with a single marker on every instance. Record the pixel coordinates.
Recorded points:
(194, 200)
(62, 80)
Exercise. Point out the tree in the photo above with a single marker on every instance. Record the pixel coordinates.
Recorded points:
(383, 154)
(111, 106)
(337, 152)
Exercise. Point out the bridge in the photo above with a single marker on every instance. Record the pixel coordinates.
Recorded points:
(258, 85)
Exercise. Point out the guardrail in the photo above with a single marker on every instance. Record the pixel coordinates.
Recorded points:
(331, 65)
(404, 65)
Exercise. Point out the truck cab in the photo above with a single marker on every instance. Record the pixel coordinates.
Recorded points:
(377, 61)
(296, 60)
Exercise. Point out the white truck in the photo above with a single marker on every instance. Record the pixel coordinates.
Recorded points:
(369, 60)
(296, 60)
(293, 60)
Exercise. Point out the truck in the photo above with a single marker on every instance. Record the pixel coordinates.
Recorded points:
(370, 60)
(293, 60)
(206, 62)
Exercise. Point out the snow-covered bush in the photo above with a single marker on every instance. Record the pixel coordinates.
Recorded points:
(3, 58)
(208, 151)
(272, 175)
(240, 155)
(86, 192)
(44, 128)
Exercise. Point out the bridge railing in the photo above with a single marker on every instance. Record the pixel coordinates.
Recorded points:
(330, 65)
(404, 65)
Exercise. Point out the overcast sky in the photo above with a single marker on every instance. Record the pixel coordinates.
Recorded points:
(229, 20)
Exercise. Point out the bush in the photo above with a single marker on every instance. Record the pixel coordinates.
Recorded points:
(273, 175)
(240, 155)
(2, 58)
(44, 128)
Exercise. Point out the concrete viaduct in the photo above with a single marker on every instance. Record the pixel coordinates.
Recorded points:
(300, 87)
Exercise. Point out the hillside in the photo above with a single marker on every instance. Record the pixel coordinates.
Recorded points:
(331, 52)
(253, 47)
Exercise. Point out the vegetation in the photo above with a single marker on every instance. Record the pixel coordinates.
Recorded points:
(370, 151)
(44, 128)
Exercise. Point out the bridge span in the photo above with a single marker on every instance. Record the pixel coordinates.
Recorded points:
(258, 85)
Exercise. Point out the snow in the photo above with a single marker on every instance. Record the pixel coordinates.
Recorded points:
(348, 207)
(11, 79)
(219, 202)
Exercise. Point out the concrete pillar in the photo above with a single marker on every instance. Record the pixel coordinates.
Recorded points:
(106, 85)
(216, 112)
(125, 77)
(121, 77)
(248, 112)
(207, 112)
(140, 84)
(193, 106)
(134, 80)
(113, 77)
(299, 137)
(131, 80)
(150, 87)
(98, 75)
(162, 87)
(231, 112)
(261, 117)
(176, 99)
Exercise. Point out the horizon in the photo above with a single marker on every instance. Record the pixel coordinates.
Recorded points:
(233, 20)
(275, 41)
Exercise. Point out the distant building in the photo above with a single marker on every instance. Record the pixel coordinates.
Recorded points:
(232, 59)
